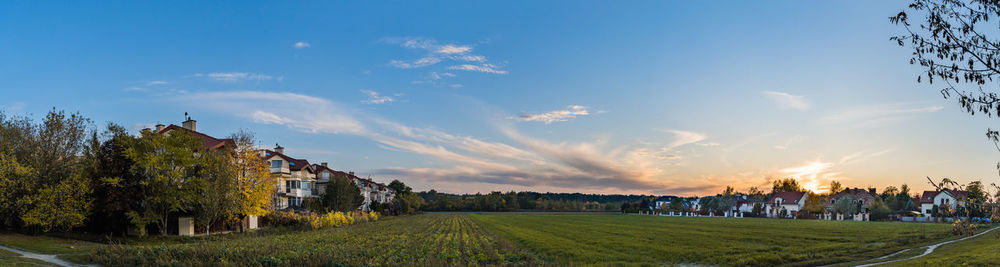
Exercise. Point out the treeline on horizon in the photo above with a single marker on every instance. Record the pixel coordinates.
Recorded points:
(526, 201)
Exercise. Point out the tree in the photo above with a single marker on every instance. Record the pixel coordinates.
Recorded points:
(677, 204)
(45, 183)
(166, 162)
(220, 193)
(786, 185)
(756, 193)
(835, 187)
(342, 195)
(879, 211)
(949, 47)
(253, 177)
(845, 206)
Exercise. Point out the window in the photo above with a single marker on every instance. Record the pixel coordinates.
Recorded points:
(326, 175)
(294, 201)
(275, 164)
(306, 186)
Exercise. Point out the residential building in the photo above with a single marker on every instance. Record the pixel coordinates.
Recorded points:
(663, 201)
(190, 126)
(786, 203)
(944, 199)
(861, 198)
(295, 178)
(371, 192)
(745, 203)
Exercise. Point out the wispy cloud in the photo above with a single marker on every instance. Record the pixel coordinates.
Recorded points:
(788, 101)
(684, 138)
(233, 77)
(437, 52)
(375, 98)
(301, 45)
(862, 156)
(15, 106)
(867, 115)
(487, 68)
(813, 175)
(571, 111)
(151, 83)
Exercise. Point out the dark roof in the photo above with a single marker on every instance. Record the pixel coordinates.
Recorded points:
(745, 198)
(293, 163)
(665, 199)
(787, 197)
(856, 193)
(928, 196)
(208, 141)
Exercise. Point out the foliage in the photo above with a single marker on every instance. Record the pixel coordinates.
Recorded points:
(786, 185)
(168, 166)
(845, 206)
(219, 189)
(879, 210)
(512, 201)
(253, 176)
(835, 187)
(342, 195)
(42, 172)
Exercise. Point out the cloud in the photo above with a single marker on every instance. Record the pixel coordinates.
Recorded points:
(301, 45)
(487, 68)
(453, 49)
(419, 63)
(788, 101)
(814, 175)
(436, 53)
(684, 138)
(571, 111)
(322, 116)
(233, 77)
(869, 115)
(151, 83)
(862, 156)
(15, 106)
(375, 98)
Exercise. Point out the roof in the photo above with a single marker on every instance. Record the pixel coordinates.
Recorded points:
(856, 193)
(293, 163)
(320, 168)
(207, 140)
(665, 199)
(928, 196)
(787, 197)
(745, 199)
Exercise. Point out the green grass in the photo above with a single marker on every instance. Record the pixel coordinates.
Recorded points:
(431, 239)
(653, 240)
(8, 258)
(67, 249)
(983, 250)
(524, 239)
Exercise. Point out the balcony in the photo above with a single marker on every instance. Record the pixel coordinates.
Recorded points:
(294, 192)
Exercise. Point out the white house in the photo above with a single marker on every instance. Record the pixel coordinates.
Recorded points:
(947, 198)
(789, 202)
(295, 178)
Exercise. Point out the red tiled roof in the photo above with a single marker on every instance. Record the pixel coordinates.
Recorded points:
(927, 197)
(208, 141)
(293, 163)
(787, 197)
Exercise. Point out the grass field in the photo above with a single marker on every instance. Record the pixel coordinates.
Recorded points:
(980, 251)
(615, 239)
(521, 239)
(423, 239)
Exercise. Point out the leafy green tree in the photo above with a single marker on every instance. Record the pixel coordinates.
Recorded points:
(786, 185)
(166, 163)
(835, 187)
(117, 188)
(879, 211)
(61, 206)
(845, 206)
(219, 189)
(342, 195)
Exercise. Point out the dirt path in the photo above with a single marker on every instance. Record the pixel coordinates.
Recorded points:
(42, 257)
(930, 249)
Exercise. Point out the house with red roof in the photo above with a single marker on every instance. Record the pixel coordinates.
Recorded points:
(295, 178)
(860, 197)
(785, 204)
(943, 199)
(371, 191)
(190, 126)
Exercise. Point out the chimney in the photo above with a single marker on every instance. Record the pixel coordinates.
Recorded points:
(159, 127)
(279, 149)
(324, 164)
(190, 125)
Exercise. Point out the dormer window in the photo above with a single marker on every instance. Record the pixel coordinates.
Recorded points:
(275, 164)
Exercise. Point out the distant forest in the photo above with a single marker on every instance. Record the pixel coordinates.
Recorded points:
(526, 201)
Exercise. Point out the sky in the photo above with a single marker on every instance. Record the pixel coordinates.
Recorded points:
(639, 97)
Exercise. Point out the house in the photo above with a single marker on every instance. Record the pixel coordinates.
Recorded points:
(944, 199)
(371, 191)
(295, 178)
(860, 197)
(745, 203)
(663, 201)
(786, 203)
(190, 126)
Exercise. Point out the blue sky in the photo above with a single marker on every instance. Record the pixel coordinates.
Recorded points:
(473, 96)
